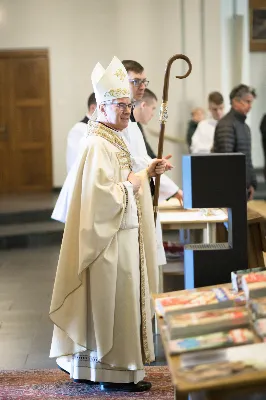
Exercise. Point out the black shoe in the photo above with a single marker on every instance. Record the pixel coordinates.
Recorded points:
(141, 386)
(62, 369)
(85, 381)
(79, 380)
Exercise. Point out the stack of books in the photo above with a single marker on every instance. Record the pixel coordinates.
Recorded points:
(198, 301)
(236, 277)
(219, 317)
(258, 309)
(199, 320)
(254, 285)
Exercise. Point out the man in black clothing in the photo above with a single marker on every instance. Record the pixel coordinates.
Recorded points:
(232, 134)
(263, 137)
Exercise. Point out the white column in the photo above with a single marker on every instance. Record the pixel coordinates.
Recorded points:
(212, 47)
(194, 48)
(242, 40)
(227, 50)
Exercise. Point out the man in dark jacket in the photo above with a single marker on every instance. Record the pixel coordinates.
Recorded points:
(232, 134)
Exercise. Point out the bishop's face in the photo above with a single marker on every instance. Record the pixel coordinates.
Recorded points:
(117, 112)
(137, 83)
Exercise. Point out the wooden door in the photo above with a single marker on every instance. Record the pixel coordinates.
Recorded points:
(4, 138)
(25, 121)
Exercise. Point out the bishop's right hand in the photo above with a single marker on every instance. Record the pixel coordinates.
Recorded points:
(135, 181)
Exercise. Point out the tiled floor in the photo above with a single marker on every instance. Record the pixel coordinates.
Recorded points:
(26, 284)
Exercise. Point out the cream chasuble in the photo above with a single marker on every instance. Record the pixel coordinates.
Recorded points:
(107, 269)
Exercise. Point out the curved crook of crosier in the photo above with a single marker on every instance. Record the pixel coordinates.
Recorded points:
(164, 117)
(185, 58)
(167, 73)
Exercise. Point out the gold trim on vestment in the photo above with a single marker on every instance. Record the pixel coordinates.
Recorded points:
(124, 160)
(125, 192)
(144, 336)
(98, 129)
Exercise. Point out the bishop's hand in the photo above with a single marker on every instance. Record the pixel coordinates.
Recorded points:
(169, 166)
(157, 167)
(135, 181)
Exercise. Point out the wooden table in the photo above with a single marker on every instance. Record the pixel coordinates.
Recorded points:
(216, 389)
(256, 239)
(173, 217)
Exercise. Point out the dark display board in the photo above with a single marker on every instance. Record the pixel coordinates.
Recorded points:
(216, 181)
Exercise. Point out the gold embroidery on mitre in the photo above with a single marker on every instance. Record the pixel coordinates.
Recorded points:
(120, 74)
(117, 93)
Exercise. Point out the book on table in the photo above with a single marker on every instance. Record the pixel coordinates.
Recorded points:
(209, 341)
(258, 307)
(254, 285)
(203, 322)
(236, 276)
(198, 301)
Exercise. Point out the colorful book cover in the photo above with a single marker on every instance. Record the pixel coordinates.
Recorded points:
(197, 300)
(258, 307)
(211, 371)
(212, 340)
(260, 328)
(254, 285)
(199, 323)
(236, 276)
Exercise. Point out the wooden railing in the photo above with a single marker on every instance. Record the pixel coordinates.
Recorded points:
(167, 137)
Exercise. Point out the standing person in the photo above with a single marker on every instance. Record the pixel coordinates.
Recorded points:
(136, 143)
(197, 115)
(77, 132)
(143, 113)
(101, 305)
(202, 140)
(263, 137)
(232, 134)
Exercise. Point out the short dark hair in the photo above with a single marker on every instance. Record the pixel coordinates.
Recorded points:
(241, 90)
(149, 95)
(91, 100)
(216, 98)
(133, 66)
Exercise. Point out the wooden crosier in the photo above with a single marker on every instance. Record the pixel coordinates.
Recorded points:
(163, 119)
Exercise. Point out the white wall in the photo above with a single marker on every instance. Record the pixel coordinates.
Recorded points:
(78, 33)
(258, 81)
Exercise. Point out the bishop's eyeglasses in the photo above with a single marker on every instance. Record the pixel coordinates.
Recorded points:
(122, 106)
(138, 82)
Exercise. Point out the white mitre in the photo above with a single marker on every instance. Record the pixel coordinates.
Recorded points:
(111, 83)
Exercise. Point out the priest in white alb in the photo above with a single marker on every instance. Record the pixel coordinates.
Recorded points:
(107, 268)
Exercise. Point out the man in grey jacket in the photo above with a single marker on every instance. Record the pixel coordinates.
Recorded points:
(232, 134)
